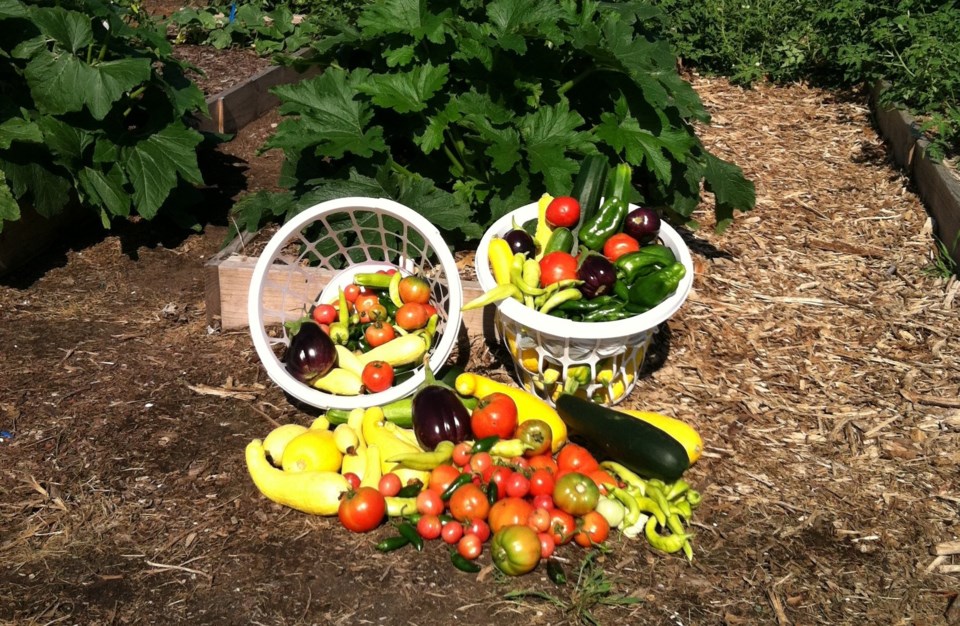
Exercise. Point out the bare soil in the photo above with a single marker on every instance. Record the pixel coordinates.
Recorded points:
(816, 357)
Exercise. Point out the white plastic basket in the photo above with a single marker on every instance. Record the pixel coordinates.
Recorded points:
(614, 351)
(335, 240)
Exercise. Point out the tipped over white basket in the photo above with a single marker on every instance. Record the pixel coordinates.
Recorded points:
(614, 351)
(335, 240)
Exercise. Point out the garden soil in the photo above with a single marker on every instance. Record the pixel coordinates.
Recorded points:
(816, 355)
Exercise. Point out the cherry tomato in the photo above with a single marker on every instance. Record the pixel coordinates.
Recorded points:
(556, 266)
(379, 333)
(618, 245)
(592, 529)
(324, 314)
(469, 546)
(541, 482)
(469, 502)
(544, 501)
(515, 550)
(518, 485)
(576, 458)
(351, 292)
(508, 512)
(495, 414)
(543, 461)
(499, 476)
(430, 310)
(481, 462)
(411, 316)
(547, 545)
(441, 476)
(389, 484)
(375, 313)
(521, 463)
(362, 510)
(461, 453)
(539, 520)
(479, 528)
(452, 532)
(377, 376)
(562, 526)
(414, 289)
(536, 435)
(353, 479)
(429, 502)
(364, 301)
(576, 494)
(429, 526)
(563, 211)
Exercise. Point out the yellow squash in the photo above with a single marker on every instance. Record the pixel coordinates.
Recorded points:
(316, 493)
(684, 433)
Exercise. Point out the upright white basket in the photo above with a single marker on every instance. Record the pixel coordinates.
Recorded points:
(614, 351)
(337, 239)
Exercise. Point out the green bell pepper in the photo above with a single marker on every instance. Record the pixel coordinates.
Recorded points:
(650, 290)
(632, 265)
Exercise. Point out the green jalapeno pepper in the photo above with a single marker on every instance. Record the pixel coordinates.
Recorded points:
(650, 290)
(646, 260)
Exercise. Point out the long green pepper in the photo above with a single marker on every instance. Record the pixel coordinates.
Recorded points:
(650, 290)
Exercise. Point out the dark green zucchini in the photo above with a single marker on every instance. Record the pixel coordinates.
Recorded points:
(561, 240)
(636, 444)
(589, 184)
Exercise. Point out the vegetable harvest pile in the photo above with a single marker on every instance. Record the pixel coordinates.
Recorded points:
(588, 257)
(485, 467)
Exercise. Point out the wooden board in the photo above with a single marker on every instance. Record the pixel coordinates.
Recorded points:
(227, 285)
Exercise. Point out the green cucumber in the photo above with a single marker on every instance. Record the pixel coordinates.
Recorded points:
(636, 444)
(589, 185)
(561, 239)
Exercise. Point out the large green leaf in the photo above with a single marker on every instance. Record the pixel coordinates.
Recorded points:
(409, 17)
(12, 9)
(9, 209)
(406, 92)
(548, 133)
(733, 191)
(106, 189)
(68, 28)
(18, 129)
(48, 191)
(153, 164)
(65, 140)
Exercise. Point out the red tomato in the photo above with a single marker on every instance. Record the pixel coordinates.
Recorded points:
(469, 502)
(539, 520)
(576, 494)
(461, 453)
(479, 528)
(376, 313)
(563, 211)
(377, 376)
(543, 461)
(351, 292)
(324, 314)
(364, 301)
(499, 476)
(541, 482)
(353, 479)
(509, 512)
(430, 310)
(518, 485)
(495, 414)
(618, 245)
(411, 316)
(547, 545)
(379, 333)
(603, 478)
(469, 546)
(481, 462)
(576, 458)
(452, 532)
(556, 266)
(521, 463)
(362, 510)
(593, 529)
(441, 476)
(544, 501)
(562, 526)
(429, 502)
(429, 526)
(414, 289)
(389, 484)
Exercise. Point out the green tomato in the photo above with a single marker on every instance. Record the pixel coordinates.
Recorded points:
(576, 494)
(515, 549)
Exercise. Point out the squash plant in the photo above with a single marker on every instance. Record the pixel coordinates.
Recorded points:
(466, 110)
(92, 110)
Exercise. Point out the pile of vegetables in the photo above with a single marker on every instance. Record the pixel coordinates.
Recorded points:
(485, 467)
(379, 329)
(587, 257)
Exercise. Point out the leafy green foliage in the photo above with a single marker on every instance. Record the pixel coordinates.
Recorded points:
(92, 110)
(266, 31)
(912, 44)
(467, 110)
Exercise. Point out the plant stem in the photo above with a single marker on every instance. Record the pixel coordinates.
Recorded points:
(576, 80)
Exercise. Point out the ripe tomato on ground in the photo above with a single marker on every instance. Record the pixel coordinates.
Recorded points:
(618, 245)
(389, 484)
(547, 545)
(469, 546)
(469, 502)
(478, 527)
(462, 454)
(508, 512)
(414, 289)
(563, 211)
(429, 526)
(575, 458)
(499, 477)
(518, 485)
(441, 476)
(543, 461)
(556, 266)
(576, 493)
(592, 529)
(377, 376)
(541, 482)
(536, 435)
(429, 502)
(362, 510)
(562, 526)
(539, 520)
(452, 532)
(515, 550)
(495, 414)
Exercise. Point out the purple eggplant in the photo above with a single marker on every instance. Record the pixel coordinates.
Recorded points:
(439, 414)
(520, 241)
(311, 353)
(643, 224)
(598, 275)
